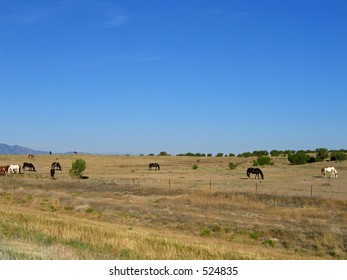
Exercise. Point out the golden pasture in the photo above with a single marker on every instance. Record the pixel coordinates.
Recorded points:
(125, 211)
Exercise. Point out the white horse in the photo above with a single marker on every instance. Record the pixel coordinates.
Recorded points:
(14, 169)
(331, 170)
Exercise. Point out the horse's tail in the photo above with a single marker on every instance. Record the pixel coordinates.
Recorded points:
(322, 171)
(158, 166)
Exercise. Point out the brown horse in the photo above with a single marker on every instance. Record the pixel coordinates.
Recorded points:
(255, 171)
(4, 170)
(28, 165)
(154, 165)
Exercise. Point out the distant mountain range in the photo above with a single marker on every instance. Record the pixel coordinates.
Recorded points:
(18, 150)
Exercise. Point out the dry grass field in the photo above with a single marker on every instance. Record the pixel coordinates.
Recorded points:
(125, 211)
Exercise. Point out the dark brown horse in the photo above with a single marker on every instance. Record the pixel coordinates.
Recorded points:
(56, 166)
(154, 165)
(255, 171)
(28, 165)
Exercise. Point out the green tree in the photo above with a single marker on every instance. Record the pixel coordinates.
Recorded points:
(163, 153)
(262, 160)
(275, 153)
(321, 154)
(77, 168)
(300, 157)
(338, 156)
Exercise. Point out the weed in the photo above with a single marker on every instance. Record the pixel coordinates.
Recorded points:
(270, 242)
(255, 235)
(206, 232)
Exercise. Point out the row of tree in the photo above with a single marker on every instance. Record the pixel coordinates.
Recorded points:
(320, 154)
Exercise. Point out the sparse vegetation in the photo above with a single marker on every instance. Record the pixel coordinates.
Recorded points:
(210, 214)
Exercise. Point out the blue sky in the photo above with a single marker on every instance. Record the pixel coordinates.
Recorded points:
(178, 76)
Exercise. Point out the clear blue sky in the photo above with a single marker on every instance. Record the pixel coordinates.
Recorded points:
(177, 76)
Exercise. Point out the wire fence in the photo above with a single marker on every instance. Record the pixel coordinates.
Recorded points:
(323, 189)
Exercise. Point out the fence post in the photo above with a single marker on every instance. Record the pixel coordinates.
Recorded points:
(169, 183)
(210, 184)
(311, 190)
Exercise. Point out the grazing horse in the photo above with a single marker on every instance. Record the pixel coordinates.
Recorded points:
(332, 170)
(154, 165)
(28, 165)
(255, 171)
(14, 169)
(56, 166)
(4, 170)
(52, 172)
(31, 156)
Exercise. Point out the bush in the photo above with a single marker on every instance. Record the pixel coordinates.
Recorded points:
(275, 153)
(232, 165)
(163, 153)
(338, 156)
(77, 168)
(260, 153)
(246, 154)
(195, 167)
(321, 154)
(262, 161)
(300, 157)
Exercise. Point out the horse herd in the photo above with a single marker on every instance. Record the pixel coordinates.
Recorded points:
(17, 169)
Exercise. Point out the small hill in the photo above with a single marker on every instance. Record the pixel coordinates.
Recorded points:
(18, 150)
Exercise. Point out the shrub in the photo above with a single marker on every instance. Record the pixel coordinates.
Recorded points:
(77, 168)
(262, 160)
(338, 156)
(321, 154)
(232, 165)
(260, 153)
(275, 153)
(300, 157)
(246, 154)
(195, 167)
(163, 153)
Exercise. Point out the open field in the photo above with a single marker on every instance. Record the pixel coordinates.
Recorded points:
(125, 211)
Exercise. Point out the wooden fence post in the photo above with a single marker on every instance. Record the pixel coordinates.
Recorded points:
(311, 190)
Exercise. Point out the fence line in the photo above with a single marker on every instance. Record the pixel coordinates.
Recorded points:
(259, 187)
